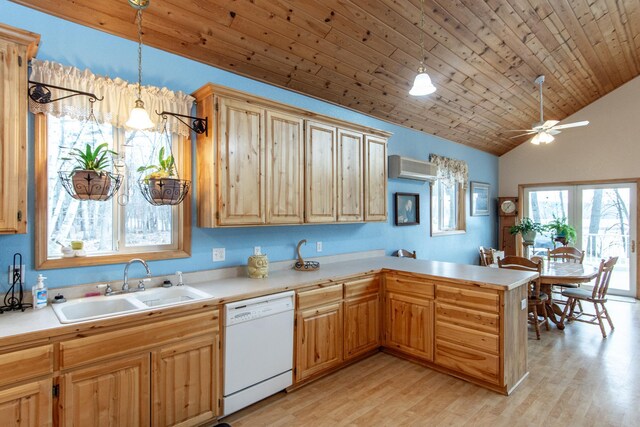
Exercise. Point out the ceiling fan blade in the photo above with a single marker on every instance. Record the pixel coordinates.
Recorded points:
(550, 123)
(572, 125)
(523, 134)
(519, 130)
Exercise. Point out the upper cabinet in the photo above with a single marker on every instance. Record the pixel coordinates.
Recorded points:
(17, 47)
(266, 163)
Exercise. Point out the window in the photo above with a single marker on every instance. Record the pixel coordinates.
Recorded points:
(447, 207)
(112, 231)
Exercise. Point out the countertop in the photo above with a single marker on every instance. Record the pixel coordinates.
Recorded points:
(32, 324)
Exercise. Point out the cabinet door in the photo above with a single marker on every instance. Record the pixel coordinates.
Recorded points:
(185, 382)
(113, 393)
(320, 173)
(13, 136)
(375, 179)
(361, 325)
(27, 405)
(285, 169)
(350, 179)
(409, 325)
(319, 340)
(242, 165)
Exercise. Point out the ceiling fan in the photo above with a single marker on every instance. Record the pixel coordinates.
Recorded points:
(545, 130)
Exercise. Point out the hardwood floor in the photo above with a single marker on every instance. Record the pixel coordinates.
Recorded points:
(576, 378)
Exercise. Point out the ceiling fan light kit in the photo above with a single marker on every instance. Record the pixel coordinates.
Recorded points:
(422, 84)
(544, 131)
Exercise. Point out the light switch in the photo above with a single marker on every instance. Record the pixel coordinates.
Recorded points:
(523, 304)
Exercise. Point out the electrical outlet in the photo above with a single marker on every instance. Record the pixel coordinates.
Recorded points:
(22, 270)
(256, 250)
(218, 254)
(318, 246)
(523, 304)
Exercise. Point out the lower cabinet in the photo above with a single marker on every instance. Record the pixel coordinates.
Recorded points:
(112, 393)
(409, 325)
(27, 405)
(184, 379)
(361, 316)
(319, 339)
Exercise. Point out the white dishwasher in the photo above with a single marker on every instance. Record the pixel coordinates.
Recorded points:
(258, 351)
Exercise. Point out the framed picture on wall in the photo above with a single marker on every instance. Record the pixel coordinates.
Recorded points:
(479, 198)
(407, 209)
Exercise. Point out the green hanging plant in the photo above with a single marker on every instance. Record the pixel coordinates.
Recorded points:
(165, 168)
(89, 159)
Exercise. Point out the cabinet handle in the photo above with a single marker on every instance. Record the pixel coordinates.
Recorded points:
(633, 246)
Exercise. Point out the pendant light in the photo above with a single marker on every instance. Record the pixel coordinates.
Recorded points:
(139, 118)
(422, 84)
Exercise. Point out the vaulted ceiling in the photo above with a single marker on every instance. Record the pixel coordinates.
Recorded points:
(483, 56)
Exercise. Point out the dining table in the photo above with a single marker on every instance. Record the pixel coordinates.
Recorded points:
(559, 273)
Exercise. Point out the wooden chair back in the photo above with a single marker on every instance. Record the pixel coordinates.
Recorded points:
(486, 256)
(524, 264)
(601, 286)
(403, 253)
(566, 254)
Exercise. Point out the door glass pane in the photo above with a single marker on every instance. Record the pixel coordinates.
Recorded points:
(605, 230)
(544, 206)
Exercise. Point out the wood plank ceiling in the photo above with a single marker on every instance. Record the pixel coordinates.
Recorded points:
(483, 56)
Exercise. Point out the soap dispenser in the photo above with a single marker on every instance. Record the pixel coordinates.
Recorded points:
(39, 293)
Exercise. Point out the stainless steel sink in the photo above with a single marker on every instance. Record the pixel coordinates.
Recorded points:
(83, 309)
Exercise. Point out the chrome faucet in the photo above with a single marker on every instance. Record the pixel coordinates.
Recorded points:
(125, 284)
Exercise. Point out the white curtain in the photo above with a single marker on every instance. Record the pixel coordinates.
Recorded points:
(451, 170)
(119, 97)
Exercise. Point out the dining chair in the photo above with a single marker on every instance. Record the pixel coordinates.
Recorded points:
(598, 296)
(486, 256)
(537, 299)
(565, 254)
(403, 253)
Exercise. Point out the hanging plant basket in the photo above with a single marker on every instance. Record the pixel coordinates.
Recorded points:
(90, 185)
(164, 191)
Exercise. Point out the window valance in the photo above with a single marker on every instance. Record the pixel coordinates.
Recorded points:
(119, 97)
(451, 170)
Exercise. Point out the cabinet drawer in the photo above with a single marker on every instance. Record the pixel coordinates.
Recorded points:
(473, 319)
(24, 364)
(468, 337)
(412, 286)
(109, 344)
(477, 364)
(484, 299)
(320, 296)
(361, 287)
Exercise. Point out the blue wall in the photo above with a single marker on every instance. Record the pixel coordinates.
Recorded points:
(104, 54)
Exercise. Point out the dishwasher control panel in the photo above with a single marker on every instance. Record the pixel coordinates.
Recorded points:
(256, 308)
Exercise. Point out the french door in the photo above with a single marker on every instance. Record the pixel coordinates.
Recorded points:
(604, 216)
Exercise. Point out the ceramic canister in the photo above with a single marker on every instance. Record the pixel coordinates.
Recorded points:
(258, 266)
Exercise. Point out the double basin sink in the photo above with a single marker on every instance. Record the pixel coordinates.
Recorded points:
(83, 309)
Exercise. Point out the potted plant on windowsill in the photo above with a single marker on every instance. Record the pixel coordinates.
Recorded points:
(561, 231)
(90, 178)
(527, 228)
(164, 186)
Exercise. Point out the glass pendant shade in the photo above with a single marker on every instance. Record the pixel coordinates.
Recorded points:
(542, 138)
(139, 118)
(422, 84)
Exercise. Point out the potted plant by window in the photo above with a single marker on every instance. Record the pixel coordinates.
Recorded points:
(528, 228)
(90, 178)
(165, 187)
(561, 231)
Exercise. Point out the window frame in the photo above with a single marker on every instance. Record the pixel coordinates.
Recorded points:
(461, 209)
(42, 262)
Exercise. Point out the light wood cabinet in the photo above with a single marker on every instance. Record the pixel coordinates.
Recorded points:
(320, 172)
(361, 316)
(27, 405)
(112, 393)
(185, 386)
(375, 179)
(409, 325)
(319, 331)
(350, 176)
(285, 168)
(17, 47)
(242, 163)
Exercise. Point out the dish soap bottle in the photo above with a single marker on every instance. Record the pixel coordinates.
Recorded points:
(39, 293)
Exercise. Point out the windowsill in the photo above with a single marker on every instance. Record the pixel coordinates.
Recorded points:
(95, 260)
(447, 233)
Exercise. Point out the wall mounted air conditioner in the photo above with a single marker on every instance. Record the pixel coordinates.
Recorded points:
(405, 167)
